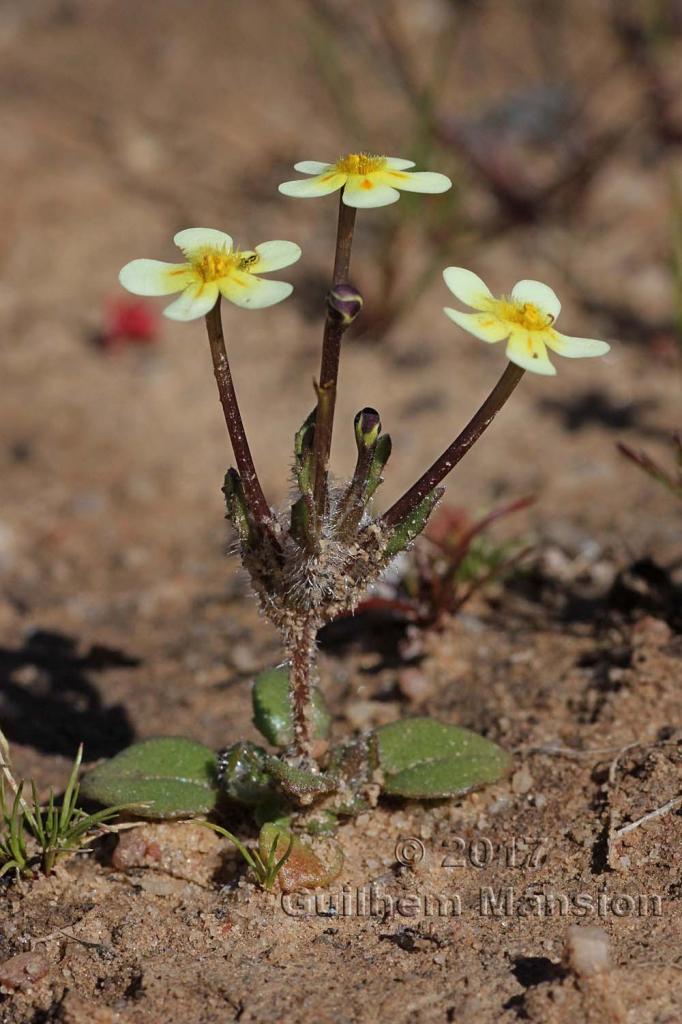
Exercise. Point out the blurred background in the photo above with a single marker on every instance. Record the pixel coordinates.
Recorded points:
(122, 122)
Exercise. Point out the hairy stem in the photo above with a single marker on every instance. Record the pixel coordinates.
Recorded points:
(302, 654)
(334, 328)
(228, 399)
(458, 449)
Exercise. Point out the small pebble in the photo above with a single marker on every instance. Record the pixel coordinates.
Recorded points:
(587, 950)
(522, 781)
(22, 971)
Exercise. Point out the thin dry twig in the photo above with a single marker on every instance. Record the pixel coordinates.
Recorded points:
(610, 827)
(61, 933)
(659, 812)
(573, 753)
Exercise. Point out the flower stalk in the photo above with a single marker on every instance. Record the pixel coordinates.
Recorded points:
(335, 326)
(456, 451)
(253, 491)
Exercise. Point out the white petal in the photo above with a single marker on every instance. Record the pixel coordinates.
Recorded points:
(467, 287)
(416, 181)
(251, 292)
(537, 294)
(527, 349)
(394, 163)
(321, 185)
(482, 325)
(576, 348)
(153, 277)
(194, 302)
(311, 167)
(275, 255)
(365, 191)
(197, 238)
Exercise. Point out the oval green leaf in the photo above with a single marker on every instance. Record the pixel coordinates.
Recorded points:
(272, 710)
(169, 777)
(300, 783)
(242, 775)
(424, 759)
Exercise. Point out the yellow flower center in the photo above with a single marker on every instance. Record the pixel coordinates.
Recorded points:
(525, 314)
(215, 264)
(360, 163)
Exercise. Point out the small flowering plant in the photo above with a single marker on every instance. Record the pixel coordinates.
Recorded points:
(314, 560)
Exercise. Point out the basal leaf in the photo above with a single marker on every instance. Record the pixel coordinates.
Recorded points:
(170, 777)
(272, 710)
(425, 759)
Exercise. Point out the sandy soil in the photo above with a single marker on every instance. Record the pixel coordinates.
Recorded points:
(121, 616)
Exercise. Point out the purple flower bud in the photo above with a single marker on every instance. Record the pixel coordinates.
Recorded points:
(344, 302)
(367, 427)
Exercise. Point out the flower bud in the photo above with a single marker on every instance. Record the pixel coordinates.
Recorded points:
(367, 427)
(344, 302)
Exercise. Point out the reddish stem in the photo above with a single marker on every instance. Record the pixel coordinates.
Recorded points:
(457, 450)
(302, 652)
(228, 399)
(334, 329)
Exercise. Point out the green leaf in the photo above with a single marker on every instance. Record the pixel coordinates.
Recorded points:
(424, 759)
(171, 776)
(413, 524)
(300, 783)
(381, 456)
(237, 507)
(303, 521)
(242, 775)
(352, 762)
(272, 710)
(304, 442)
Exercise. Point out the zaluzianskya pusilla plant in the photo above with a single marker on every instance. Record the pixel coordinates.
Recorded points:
(314, 560)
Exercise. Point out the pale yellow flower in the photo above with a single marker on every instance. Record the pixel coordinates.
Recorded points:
(213, 267)
(525, 320)
(366, 180)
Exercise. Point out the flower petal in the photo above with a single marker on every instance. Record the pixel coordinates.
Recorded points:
(321, 185)
(576, 348)
(394, 163)
(415, 181)
(154, 277)
(365, 191)
(467, 287)
(195, 301)
(311, 167)
(251, 292)
(537, 294)
(482, 325)
(275, 255)
(527, 349)
(192, 239)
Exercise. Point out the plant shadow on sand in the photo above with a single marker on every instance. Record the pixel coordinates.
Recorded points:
(48, 701)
